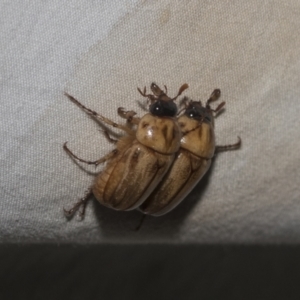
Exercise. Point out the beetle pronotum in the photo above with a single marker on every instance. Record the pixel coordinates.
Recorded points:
(141, 158)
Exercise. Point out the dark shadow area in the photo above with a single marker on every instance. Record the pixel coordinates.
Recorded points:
(149, 272)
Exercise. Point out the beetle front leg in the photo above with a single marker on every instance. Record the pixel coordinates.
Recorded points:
(81, 203)
(98, 116)
(149, 96)
(230, 147)
(128, 115)
(96, 162)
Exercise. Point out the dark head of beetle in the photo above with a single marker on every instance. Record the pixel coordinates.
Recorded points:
(161, 105)
(195, 110)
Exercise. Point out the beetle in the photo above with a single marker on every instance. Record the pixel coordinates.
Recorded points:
(197, 147)
(141, 157)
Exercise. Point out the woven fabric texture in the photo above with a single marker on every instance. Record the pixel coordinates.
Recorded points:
(100, 53)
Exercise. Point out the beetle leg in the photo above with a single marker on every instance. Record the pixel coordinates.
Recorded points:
(98, 116)
(106, 134)
(149, 96)
(183, 102)
(96, 162)
(180, 111)
(81, 203)
(128, 115)
(166, 89)
(230, 147)
(141, 222)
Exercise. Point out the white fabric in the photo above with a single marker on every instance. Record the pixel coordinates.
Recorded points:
(100, 52)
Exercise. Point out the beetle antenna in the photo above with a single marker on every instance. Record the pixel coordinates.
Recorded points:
(215, 95)
(182, 88)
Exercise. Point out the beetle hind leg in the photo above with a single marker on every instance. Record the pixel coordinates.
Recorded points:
(230, 147)
(81, 203)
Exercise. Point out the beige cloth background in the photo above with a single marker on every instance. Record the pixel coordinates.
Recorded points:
(100, 52)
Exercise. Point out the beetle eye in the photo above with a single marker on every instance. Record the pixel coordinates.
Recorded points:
(197, 112)
(163, 108)
(193, 113)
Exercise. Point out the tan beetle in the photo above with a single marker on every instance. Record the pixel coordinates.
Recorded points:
(197, 147)
(141, 158)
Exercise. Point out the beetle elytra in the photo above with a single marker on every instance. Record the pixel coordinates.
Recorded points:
(141, 157)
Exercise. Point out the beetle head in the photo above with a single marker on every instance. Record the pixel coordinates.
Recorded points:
(161, 104)
(195, 109)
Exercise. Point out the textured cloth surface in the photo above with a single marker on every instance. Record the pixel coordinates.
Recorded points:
(100, 53)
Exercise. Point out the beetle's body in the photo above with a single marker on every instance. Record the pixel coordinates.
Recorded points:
(141, 158)
(191, 163)
(139, 164)
(197, 147)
